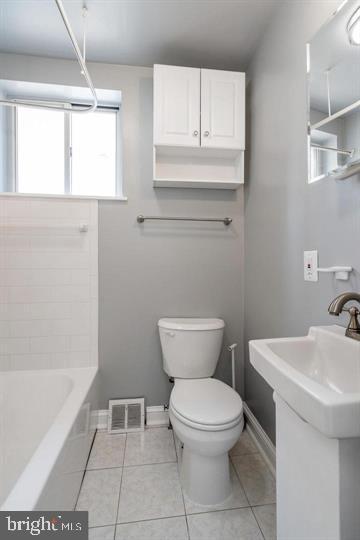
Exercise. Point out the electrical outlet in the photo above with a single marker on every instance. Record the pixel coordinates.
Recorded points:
(311, 265)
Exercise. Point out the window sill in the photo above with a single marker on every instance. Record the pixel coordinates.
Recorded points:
(62, 196)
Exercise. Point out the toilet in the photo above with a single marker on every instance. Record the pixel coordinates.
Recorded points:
(206, 414)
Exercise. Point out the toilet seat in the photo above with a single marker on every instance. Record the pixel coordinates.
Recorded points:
(206, 404)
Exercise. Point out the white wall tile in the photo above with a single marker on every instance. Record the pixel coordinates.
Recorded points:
(80, 343)
(42, 259)
(23, 277)
(56, 293)
(30, 361)
(4, 362)
(49, 344)
(49, 283)
(4, 295)
(5, 329)
(14, 345)
(45, 327)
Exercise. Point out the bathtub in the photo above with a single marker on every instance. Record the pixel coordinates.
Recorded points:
(47, 424)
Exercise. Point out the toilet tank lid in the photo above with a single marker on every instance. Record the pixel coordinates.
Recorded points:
(187, 323)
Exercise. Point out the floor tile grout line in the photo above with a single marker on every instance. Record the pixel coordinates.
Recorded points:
(263, 504)
(152, 463)
(149, 519)
(182, 491)
(121, 481)
(178, 516)
(131, 466)
(117, 523)
(187, 527)
(218, 510)
(239, 479)
(85, 469)
(244, 454)
(258, 524)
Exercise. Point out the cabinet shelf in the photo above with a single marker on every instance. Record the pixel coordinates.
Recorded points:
(210, 168)
(196, 183)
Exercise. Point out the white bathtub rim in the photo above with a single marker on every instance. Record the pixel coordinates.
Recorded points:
(30, 484)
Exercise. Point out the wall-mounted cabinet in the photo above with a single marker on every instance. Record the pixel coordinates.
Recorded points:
(199, 127)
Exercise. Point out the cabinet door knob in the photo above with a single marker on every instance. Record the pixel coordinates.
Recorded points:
(196, 133)
(206, 133)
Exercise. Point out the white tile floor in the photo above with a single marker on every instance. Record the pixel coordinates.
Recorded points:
(132, 492)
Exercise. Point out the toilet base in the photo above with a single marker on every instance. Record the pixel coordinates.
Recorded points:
(205, 479)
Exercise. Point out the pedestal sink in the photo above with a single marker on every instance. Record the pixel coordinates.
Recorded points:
(316, 382)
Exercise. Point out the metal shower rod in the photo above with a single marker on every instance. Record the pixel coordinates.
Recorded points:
(82, 63)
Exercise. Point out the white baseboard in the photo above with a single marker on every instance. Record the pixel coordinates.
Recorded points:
(261, 439)
(103, 415)
(157, 416)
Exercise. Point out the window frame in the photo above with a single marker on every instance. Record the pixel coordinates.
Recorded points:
(13, 154)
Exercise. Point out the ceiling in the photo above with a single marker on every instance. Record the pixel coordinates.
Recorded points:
(219, 34)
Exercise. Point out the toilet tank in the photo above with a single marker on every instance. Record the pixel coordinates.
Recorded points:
(190, 346)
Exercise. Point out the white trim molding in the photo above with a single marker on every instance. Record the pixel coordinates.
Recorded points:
(157, 415)
(103, 416)
(261, 439)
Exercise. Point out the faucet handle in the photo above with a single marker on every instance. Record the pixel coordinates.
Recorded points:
(354, 325)
(353, 310)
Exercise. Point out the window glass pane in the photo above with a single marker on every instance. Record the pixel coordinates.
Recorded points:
(40, 151)
(94, 154)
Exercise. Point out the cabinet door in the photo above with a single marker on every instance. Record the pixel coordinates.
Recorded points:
(176, 106)
(222, 109)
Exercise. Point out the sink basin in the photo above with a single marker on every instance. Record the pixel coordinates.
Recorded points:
(317, 375)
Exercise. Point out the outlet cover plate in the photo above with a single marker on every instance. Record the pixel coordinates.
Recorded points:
(311, 265)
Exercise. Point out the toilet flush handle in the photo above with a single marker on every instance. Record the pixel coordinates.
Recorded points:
(170, 334)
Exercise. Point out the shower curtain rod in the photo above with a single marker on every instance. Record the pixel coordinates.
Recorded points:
(25, 103)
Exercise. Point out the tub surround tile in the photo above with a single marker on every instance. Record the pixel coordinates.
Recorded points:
(256, 479)
(102, 533)
(154, 445)
(14, 346)
(266, 518)
(158, 529)
(5, 328)
(5, 362)
(99, 495)
(107, 451)
(50, 344)
(49, 283)
(236, 500)
(150, 492)
(244, 445)
(225, 525)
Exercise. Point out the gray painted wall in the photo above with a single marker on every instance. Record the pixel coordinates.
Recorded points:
(283, 215)
(154, 270)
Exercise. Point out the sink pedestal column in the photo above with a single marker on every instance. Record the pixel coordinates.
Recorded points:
(318, 481)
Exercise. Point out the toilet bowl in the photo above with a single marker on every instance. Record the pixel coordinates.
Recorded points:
(206, 414)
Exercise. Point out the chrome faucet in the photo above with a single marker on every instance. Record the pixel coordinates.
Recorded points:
(337, 306)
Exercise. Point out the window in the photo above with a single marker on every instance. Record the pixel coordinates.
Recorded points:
(67, 153)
